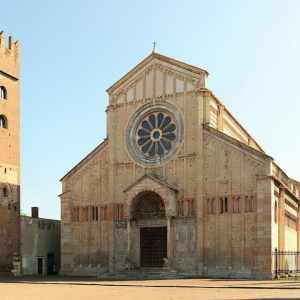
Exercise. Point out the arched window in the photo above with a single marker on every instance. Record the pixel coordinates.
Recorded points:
(83, 214)
(87, 214)
(249, 204)
(96, 213)
(3, 122)
(93, 214)
(213, 209)
(4, 193)
(223, 205)
(180, 208)
(3, 93)
(77, 214)
(236, 204)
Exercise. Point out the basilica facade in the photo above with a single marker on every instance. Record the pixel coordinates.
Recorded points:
(178, 184)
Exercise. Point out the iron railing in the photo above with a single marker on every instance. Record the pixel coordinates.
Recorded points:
(286, 263)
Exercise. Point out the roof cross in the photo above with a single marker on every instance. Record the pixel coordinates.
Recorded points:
(154, 47)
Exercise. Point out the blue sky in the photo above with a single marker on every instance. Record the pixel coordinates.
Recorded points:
(72, 51)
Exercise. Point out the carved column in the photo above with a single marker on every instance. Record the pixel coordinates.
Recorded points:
(281, 220)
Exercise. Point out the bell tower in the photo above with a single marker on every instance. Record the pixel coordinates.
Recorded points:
(9, 153)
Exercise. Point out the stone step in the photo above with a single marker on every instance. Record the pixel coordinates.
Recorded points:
(144, 274)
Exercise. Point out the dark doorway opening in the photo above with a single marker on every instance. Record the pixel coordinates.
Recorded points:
(40, 265)
(153, 246)
(50, 264)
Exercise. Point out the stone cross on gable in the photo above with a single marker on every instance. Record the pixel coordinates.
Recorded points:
(154, 47)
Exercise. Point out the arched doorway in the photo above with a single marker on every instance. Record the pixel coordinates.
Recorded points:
(148, 211)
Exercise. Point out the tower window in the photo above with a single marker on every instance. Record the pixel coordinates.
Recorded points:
(3, 122)
(3, 93)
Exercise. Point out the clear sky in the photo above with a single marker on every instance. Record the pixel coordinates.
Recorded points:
(72, 51)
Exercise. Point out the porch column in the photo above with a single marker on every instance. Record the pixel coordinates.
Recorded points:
(128, 239)
(169, 238)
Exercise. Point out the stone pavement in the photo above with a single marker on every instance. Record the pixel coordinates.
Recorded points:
(61, 287)
(89, 288)
(188, 283)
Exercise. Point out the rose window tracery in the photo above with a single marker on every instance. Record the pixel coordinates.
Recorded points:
(156, 134)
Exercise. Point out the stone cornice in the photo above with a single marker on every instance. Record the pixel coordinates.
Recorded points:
(279, 184)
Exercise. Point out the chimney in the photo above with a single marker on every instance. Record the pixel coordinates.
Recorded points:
(35, 212)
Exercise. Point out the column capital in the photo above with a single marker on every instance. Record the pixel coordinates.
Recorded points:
(282, 191)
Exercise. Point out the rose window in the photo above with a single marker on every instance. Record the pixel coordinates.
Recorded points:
(156, 134)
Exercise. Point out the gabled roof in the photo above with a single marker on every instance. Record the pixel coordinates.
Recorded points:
(149, 58)
(152, 177)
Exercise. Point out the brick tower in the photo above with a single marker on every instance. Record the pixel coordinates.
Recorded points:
(9, 154)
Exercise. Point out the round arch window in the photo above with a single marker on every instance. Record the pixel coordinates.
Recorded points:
(3, 122)
(3, 93)
(154, 133)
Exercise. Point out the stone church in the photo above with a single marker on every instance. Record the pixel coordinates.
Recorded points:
(178, 185)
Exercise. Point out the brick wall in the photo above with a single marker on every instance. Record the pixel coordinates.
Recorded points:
(9, 155)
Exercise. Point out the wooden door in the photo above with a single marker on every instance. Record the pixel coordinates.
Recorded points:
(153, 246)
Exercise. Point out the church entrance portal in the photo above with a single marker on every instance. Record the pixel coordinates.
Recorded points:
(153, 246)
(149, 212)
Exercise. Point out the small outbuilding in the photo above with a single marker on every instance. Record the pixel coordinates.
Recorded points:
(40, 245)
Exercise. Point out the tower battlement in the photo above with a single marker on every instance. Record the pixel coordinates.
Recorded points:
(9, 56)
(12, 48)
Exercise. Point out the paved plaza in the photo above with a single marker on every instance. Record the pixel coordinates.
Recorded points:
(58, 287)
